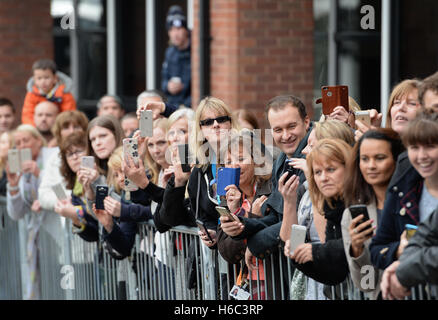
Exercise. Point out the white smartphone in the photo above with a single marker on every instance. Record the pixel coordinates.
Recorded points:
(130, 147)
(14, 160)
(87, 162)
(146, 123)
(297, 237)
(364, 117)
(59, 191)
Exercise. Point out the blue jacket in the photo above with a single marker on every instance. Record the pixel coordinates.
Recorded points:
(400, 208)
(177, 64)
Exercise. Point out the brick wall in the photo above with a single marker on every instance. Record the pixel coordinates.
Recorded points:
(25, 36)
(259, 49)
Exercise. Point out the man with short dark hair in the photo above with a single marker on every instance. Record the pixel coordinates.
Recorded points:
(7, 115)
(290, 127)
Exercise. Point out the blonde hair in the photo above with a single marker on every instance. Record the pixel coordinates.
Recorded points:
(114, 165)
(326, 150)
(154, 168)
(334, 129)
(197, 138)
(29, 129)
(183, 112)
(403, 88)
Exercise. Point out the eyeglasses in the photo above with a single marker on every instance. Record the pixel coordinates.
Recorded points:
(77, 153)
(209, 122)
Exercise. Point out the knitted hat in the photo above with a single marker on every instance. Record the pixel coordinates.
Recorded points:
(175, 18)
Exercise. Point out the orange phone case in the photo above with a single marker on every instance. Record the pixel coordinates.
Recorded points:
(333, 96)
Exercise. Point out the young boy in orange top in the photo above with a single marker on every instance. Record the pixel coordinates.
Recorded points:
(47, 84)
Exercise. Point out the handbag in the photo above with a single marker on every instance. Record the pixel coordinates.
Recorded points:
(298, 286)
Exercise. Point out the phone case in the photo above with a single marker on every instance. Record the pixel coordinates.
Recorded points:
(101, 194)
(87, 162)
(14, 160)
(226, 177)
(130, 147)
(146, 123)
(184, 156)
(363, 116)
(59, 191)
(333, 96)
(297, 236)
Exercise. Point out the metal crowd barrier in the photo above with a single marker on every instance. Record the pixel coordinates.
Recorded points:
(171, 266)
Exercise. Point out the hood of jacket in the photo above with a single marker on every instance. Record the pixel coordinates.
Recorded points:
(63, 79)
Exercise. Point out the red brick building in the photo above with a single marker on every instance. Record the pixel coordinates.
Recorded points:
(26, 35)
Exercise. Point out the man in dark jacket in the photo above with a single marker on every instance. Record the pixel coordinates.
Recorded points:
(176, 70)
(290, 129)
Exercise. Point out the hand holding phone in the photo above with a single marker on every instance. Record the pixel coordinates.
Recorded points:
(410, 230)
(101, 194)
(227, 177)
(297, 237)
(146, 123)
(364, 117)
(203, 228)
(289, 169)
(358, 209)
(224, 212)
(333, 96)
(130, 148)
(87, 162)
(184, 157)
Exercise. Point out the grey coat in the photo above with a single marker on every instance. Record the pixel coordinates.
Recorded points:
(419, 262)
(369, 279)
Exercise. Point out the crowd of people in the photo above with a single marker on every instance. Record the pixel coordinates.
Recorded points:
(338, 162)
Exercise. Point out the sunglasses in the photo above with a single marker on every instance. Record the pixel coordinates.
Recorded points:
(209, 122)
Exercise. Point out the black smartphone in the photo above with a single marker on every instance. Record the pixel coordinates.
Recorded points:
(203, 228)
(183, 151)
(358, 209)
(101, 194)
(290, 170)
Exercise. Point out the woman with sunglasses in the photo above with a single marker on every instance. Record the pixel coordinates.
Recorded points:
(212, 126)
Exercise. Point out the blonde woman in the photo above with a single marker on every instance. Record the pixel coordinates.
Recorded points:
(22, 200)
(212, 126)
(175, 208)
